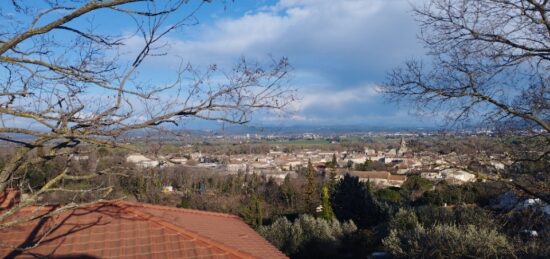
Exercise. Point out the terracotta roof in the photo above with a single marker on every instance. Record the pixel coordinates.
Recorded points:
(134, 230)
(8, 198)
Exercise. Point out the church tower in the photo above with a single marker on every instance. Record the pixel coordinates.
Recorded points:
(402, 147)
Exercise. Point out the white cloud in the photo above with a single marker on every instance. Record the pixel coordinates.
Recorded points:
(339, 49)
(312, 33)
(337, 98)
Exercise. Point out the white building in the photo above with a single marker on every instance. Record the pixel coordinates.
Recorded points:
(457, 174)
(142, 161)
(433, 176)
(234, 168)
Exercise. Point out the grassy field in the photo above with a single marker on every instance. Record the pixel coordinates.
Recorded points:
(302, 142)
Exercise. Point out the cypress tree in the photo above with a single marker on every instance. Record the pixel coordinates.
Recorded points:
(310, 188)
(328, 214)
(334, 162)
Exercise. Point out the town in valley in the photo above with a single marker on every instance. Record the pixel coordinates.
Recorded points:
(275, 129)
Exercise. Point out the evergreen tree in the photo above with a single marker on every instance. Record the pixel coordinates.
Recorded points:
(328, 214)
(288, 192)
(332, 179)
(349, 165)
(367, 164)
(309, 189)
(334, 162)
(252, 212)
(353, 200)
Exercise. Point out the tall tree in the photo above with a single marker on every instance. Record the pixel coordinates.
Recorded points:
(332, 179)
(252, 212)
(310, 188)
(352, 200)
(488, 61)
(288, 192)
(327, 212)
(334, 162)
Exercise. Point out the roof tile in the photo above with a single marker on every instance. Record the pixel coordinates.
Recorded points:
(136, 230)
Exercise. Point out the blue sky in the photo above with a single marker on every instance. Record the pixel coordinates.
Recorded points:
(340, 51)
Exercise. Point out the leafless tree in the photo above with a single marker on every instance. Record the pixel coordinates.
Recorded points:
(489, 58)
(66, 81)
(488, 62)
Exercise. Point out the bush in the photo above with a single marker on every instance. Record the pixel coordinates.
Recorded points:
(390, 195)
(306, 231)
(415, 186)
(432, 215)
(408, 238)
(450, 194)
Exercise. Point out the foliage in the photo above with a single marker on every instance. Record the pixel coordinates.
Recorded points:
(349, 165)
(409, 238)
(251, 212)
(353, 200)
(38, 175)
(404, 220)
(391, 195)
(369, 165)
(327, 212)
(332, 179)
(310, 189)
(293, 237)
(415, 186)
(288, 192)
(333, 163)
(432, 215)
(450, 194)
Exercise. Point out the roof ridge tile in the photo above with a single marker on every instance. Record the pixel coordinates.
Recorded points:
(166, 208)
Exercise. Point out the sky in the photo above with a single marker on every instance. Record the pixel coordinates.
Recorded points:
(340, 52)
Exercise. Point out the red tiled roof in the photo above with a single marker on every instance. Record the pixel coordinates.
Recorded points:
(8, 198)
(135, 230)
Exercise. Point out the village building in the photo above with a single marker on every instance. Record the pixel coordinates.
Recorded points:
(279, 177)
(290, 165)
(432, 176)
(357, 160)
(379, 178)
(370, 152)
(179, 160)
(453, 174)
(142, 161)
(450, 175)
(237, 167)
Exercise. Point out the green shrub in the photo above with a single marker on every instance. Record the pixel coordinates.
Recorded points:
(293, 237)
(388, 195)
(431, 215)
(450, 194)
(409, 238)
(415, 186)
